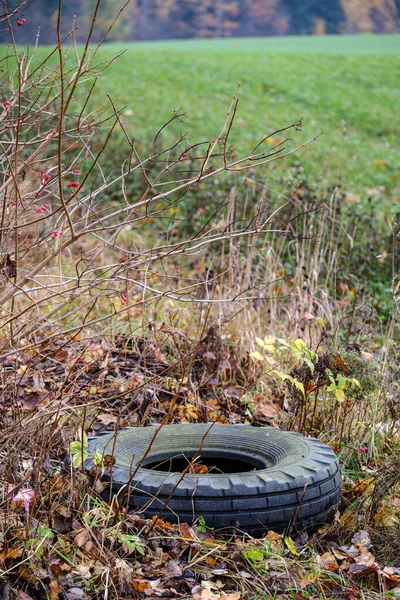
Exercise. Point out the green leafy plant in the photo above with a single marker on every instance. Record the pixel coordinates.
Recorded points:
(131, 543)
(278, 351)
(340, 384)
(40, 535)
(78, 450)
(202, 525)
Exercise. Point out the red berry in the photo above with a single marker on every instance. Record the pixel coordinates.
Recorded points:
(23, 20)
(73, 184)
(19, 23)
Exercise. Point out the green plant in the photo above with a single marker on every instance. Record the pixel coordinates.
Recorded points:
(340, 384)
(38, 539)
(131, 543)
(78, 450)
(202, 525)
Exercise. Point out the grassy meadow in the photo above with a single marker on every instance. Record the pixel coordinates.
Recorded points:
(345, 87)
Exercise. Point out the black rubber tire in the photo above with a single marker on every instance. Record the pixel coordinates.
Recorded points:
(296, 484)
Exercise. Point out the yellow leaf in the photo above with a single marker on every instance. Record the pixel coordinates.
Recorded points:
(257, 355)
(299, 385)
(320, 322)
(339, 395)
(289, 543)
(269, 344)
(299, 345)
(260, 342)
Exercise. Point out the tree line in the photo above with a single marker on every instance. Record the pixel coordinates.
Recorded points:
(179, 19)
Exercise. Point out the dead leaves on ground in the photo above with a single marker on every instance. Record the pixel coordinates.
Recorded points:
(357, 560)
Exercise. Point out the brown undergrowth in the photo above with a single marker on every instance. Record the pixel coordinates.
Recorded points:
(66, 542)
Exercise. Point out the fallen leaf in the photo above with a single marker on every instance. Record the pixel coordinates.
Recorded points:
(55, 589)
(360, 570)
(211, 561)
(265, 410)
(9, 553)
(81, 537)
(173, 569)
(107, 418)
(391, 573)
(328, 561)
(290, 545)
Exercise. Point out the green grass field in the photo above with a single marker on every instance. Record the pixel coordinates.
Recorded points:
(354, 44)
(344, 86)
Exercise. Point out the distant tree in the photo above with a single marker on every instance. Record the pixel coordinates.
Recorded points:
(370, 16)
(190, 18)
(304, 14)
(108, 10)
(39, 15)
(384, 15)
(262, 17)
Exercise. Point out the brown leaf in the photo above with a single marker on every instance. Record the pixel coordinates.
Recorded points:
(265, 410)
(55, 590)
(365, 558)
(8, 268)
(141, 586)
(82, 536)
(328, 562)
(173, 569)
(185, 531)
(211, 561)
(107, 418)
(360, 570)
(9, 553)
(158, 355)
(392, 574)
(198, 469)
(38, 383)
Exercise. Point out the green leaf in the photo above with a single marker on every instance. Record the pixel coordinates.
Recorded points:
(254, 555)
(79, 458)
(75, 446)
(320, 322)
(310, 365)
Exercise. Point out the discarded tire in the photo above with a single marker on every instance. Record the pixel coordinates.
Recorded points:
(257, 479)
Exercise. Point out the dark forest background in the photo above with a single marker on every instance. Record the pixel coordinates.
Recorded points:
(175, 19)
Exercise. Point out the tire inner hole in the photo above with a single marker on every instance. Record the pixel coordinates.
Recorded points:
(214, 463)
